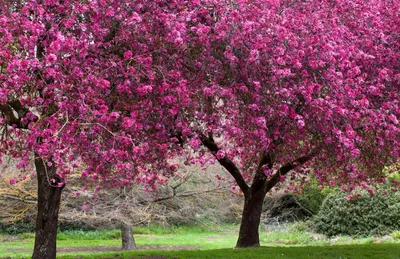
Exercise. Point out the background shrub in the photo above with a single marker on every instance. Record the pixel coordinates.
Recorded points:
(283, 208)
(376, 215)
(15, 228)
(313, 196)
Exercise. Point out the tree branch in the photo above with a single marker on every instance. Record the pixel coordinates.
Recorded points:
(10, 108)
(225, 162)
(23, 199)
(286, 168)
(185, 194)
(266, 158)
(8, 113)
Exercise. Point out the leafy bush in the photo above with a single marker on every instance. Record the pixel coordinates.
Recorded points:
(299, 227)
(313, 196)
(16, 228)
(366, 215)
(284, 208)
(396, 235)
(66, 225)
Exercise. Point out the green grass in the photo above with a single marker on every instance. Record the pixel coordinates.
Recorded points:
(205, 243)
(381, 251)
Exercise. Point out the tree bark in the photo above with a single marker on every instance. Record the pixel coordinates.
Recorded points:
(251, 216)
(128, 241)
(254, 197)
(49, 197)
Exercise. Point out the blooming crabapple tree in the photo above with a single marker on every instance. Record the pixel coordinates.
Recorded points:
(60, 77)
(266, 88)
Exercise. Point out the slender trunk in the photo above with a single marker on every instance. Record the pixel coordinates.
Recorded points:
(49, 197)
(251, 216)
(128, 241)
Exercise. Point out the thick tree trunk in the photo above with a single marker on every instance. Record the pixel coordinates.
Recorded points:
(128, 241)
(251, 216)
(49, 197)
(255, 194)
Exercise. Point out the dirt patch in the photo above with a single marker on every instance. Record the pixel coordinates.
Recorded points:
(111, 249)
(212, 237)
(10, 238)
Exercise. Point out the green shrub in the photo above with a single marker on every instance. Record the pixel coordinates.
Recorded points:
(16, 227)
(396, 235)
(299, 227)
(65, 225)
(366, 215)
(313, 196)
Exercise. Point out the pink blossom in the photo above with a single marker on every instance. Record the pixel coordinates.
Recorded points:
(195, 144)
(114, 115)
(220, 154)
(51, 59)
(393, 119)
(143, 90)
(128, 54)
(300, 123)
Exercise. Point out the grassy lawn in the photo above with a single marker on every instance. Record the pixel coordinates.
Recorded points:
(373, 251)
(194, 242)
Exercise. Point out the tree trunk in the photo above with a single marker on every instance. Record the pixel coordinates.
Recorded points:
(49, 197)
(128, 241)
(251, 216)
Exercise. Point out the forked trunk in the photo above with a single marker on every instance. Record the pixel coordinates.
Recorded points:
(251, 216)
(254, 194)
(49, 196)
(128, 241)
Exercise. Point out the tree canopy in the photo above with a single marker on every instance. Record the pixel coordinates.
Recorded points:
(121, 86)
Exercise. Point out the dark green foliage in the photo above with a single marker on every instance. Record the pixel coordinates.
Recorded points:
(74, 225)
(16, 228)
(20, 227)
(376, 215)
(285, 207)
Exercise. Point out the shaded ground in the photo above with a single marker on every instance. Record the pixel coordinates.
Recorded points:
(108, 248)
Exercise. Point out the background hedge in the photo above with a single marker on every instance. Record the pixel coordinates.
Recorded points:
(366, 215)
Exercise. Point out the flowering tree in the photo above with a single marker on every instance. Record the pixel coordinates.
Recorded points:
(266, 88)
(60, 77)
